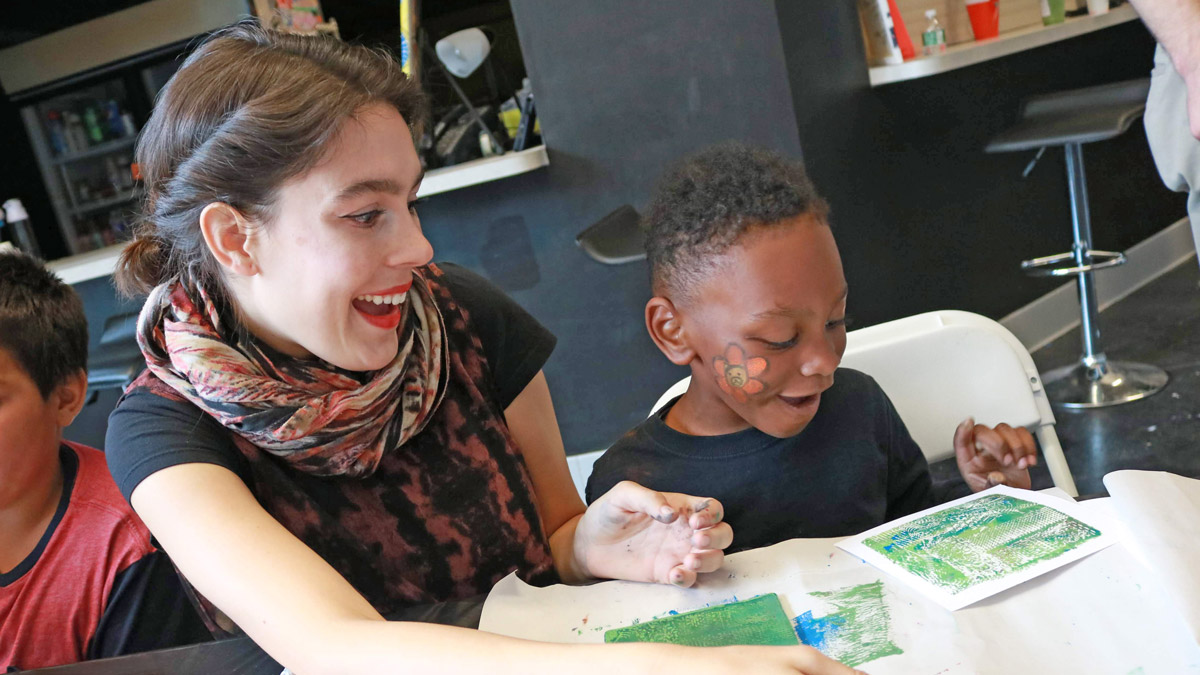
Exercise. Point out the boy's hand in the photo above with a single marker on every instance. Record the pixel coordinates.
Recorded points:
(994, 456)
(635, 533)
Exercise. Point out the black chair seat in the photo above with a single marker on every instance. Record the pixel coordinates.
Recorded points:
(115, 364)
(1076, 116)
(615, 239)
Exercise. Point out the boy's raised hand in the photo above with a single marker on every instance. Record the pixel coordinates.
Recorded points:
(990, 456)
(639, 534)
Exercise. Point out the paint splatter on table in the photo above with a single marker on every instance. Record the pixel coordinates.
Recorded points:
(758, 621)
(856, 630)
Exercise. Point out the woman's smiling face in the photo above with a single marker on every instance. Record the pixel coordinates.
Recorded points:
(334, 264)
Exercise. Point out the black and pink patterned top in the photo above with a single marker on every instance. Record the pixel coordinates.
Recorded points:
(444, 517)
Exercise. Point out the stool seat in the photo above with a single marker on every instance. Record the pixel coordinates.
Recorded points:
(1075, 116)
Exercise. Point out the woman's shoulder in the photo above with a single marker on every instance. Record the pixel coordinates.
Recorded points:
(153, 428)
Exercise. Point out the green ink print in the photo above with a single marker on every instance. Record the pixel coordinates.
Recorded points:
(981, 540)
(858, 629)
(758, 621)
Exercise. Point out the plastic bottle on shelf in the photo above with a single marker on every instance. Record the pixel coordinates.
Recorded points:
(112, 119)
(934, 38)
(76, 137)
(127, 124)
(19, 228)
(92, 121)
(56, 132)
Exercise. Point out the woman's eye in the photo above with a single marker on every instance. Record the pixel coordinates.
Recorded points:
(366, 217)
(837, 323)
(412, 206)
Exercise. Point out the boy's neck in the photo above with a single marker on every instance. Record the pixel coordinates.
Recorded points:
(697, 414)
(25, 517)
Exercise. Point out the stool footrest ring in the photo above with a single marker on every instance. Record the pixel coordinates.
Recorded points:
(1045, 267)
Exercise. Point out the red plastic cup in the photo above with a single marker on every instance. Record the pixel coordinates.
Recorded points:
(985, 18)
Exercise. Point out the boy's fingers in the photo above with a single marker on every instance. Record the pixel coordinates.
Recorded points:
(719, 536)
(1029, 444)
(989, 441)
(1012, 439)
(964, 441)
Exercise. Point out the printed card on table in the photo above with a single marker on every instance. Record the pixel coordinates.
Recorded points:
(966, 550)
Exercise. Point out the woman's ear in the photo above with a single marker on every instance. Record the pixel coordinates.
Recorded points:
(227, 234)
(664, 323)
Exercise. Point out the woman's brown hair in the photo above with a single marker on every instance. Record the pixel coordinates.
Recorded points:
(248, 110)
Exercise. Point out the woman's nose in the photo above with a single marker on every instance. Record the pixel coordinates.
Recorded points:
(410, 246)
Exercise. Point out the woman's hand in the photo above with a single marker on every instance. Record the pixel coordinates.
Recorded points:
(727, 660)
(641, 535)
(994, 456)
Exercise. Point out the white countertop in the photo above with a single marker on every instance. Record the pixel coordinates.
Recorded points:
(102, 262)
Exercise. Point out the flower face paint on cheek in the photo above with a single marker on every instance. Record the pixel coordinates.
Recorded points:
(738, 376)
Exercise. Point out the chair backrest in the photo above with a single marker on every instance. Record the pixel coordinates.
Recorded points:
(941, 367)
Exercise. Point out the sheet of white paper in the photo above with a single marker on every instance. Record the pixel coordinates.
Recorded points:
(969, 549)
(1098, 615)
(1161, 511)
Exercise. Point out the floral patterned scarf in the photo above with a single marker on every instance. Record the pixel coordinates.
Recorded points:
(320, 419)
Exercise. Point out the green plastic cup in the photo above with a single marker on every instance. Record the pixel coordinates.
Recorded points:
(1053, 11)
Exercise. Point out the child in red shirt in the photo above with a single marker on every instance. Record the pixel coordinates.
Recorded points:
(79, 576)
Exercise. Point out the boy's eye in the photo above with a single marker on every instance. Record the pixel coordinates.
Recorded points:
(412, 205)
(837, 323)
(366, 217)
(779, 346)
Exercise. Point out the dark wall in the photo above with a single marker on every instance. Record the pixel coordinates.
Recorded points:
(925, 220)
(622, 89)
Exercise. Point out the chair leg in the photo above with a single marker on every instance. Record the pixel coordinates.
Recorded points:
(1052, 453)
(1095, 381)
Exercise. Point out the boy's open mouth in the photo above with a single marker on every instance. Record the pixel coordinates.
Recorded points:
(801, 402)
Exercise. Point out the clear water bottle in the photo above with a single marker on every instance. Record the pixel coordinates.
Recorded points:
(933, 39)
(19, 229)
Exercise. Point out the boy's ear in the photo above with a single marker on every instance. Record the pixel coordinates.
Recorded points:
(69, 397)
(228, 237)
(666, 329)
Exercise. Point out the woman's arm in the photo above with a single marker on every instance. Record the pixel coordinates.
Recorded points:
(1176, 24)
(305, 615)
(673, 536)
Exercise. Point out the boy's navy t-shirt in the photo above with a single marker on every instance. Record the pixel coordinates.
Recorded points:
(852, 468)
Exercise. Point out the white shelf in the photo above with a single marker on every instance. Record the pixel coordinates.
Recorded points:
(970, 53)
(91, 265)
(102, 262)
(483, 170)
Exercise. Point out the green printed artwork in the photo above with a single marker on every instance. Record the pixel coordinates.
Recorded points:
(980, 540)
(758, 621)
(857, 630)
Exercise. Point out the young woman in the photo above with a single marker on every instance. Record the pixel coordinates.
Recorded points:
(331, 430)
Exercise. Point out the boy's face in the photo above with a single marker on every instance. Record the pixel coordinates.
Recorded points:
(30, 427)
(768, 327)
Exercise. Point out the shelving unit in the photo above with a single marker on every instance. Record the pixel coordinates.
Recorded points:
(96, 150)
(970, 53)
(101, 204)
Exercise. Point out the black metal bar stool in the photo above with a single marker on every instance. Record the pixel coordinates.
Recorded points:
(1070, 119)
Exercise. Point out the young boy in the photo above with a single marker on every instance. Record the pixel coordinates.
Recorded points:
(79, 577)
(749, 293)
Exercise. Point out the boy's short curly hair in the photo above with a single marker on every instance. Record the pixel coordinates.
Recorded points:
(709, 200)
(42, 324)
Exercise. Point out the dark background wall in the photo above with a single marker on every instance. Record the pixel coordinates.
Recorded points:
(924, 218)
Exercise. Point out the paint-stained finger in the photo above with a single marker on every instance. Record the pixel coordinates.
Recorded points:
(681, 576)
(705, 513)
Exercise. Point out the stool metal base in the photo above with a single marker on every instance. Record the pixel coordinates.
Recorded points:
(1102, 384)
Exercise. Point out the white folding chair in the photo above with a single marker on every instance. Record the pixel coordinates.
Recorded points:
(939, 368)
